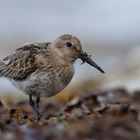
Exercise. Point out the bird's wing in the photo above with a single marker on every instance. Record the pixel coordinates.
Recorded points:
(21, 63)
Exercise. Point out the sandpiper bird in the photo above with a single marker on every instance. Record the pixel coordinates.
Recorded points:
(44, 69)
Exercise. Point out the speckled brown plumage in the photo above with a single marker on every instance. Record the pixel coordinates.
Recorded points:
(44, 69)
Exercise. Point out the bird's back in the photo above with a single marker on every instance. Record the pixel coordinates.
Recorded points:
(21, 63)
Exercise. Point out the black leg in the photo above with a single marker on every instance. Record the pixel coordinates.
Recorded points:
(37, 102)
(31, 102)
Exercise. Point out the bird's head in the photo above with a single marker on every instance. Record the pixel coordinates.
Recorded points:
(69, 48)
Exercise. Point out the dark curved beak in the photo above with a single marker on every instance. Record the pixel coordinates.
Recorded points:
(86, 58)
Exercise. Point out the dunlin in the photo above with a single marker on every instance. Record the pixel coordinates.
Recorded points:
(44, 69)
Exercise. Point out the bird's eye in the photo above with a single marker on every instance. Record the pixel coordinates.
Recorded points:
(69, 44)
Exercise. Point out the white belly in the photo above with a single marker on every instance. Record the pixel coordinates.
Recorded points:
(43, 84)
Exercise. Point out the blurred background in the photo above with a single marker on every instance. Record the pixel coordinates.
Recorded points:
(109, 31)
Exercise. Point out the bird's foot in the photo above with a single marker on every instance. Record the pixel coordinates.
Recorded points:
(39, 116)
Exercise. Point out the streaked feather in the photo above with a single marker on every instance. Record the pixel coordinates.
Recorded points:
(21, 63)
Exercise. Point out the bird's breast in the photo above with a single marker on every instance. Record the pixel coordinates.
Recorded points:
(47, 82)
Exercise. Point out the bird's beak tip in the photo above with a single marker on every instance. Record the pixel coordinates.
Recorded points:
(86, 58)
